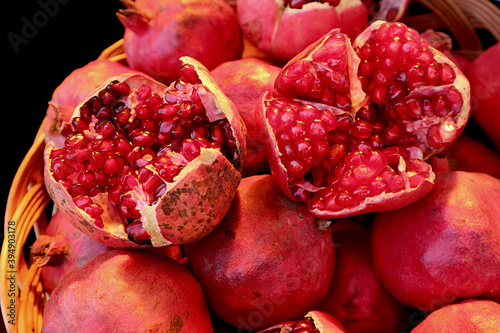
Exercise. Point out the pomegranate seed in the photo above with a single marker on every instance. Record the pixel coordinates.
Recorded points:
(361, 129)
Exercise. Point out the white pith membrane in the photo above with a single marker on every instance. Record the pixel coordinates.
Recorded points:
(416, 176)
(111, 229)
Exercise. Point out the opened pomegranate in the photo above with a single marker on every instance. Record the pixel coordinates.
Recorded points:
(147, 164)
(158, 32)
(313, 322)
(268, 261)
(243, 81)
(357, 297)
(72, 90)
(485, 84)
(349, 127)
(128, 291)
(62, 249)
(443, 248)
(283, 28)
(472, 315)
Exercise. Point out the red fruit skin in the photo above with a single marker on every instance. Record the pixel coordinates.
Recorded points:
(62, 249)
(357, 297)
(159, 32)
(243, 81)
(72, 90)
(472, 315)
(485, 99)
(128, 291)
(443, 248)
(267, 261)
(282, 33)
(468, 154)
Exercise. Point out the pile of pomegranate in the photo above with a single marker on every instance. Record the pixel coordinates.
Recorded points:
(273, 166)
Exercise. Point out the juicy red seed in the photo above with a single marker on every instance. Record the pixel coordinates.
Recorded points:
(362, 129)
(113, 164)
(189, 75)
(440, 105)
(78, 189)
(82, 201)
(393, 154)
(190, 149)
(300, 325)
(434, 137)
(136, 230)
(151, 184)
(79, 124)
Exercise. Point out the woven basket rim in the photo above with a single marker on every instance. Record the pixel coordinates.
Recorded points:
(28, 197)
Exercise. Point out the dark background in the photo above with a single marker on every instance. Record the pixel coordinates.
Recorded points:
(67, 34)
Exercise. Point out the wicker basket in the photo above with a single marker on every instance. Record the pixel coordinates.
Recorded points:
(464, 20)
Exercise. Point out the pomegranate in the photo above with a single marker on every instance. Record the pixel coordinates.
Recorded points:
(472, 315)
(268, 261)
(443, 248)
(313, 322)
(158, 32)
(357, 297)
(348, 128)
(468, 154)
(147, 164)
(72, 90)
(485, 83)
(62, 249)
(128, 291)
(243, 81)
(283, 28)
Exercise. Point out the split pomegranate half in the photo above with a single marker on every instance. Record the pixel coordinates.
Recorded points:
(146, 164)
(349, 127)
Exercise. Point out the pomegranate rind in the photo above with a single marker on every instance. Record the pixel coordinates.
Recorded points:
(195, 202)
(206, 185)
(323, 321)
(391, 10)
(444, 247)
(472, 315)
(128, 291)
(268, 25)
(240, 266)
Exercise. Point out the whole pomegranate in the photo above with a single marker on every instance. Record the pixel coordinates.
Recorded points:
(243, 81)
(472, 315)
(283, 28)
(128, 291)
(484, 79)
(357, 297)
(146, 164)
(313, 322)
(72, 90)
(268, 261)
(62, 249)
(159, 32)
(349, 127)
(443, 248)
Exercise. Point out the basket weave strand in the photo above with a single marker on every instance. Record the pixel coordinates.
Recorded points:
(28, 198)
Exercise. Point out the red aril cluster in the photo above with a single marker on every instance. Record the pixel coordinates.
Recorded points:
(351, 126)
